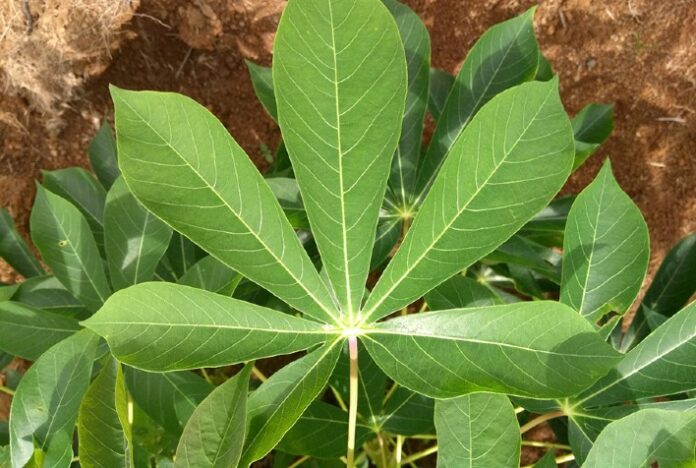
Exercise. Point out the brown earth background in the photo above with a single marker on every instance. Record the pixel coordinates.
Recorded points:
(58, 56)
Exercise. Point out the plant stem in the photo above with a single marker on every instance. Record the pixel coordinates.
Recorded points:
(540, 419)
(258, 374)
(534, 443)
(353, 399)
(298, 462)
(419, 455)
(206, 376)
(399, 450)
(6, 390)
(382, 449)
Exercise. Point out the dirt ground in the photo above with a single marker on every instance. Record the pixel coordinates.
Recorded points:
(638, 54)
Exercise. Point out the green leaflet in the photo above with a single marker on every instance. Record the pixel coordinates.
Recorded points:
(536, 349)
(662, 364)
(168, 398)
(47, 293)
(80, 188)
(605, 251)
(591, 126)
(45, 406)
(102, 425)
(27, 332)
(502, 170)
(339, 75)
(280, 401)
(288, 194)
(181, 163)
(262, 81)
(15, 250)
(135, 239)
(416, 43)
(181, 255)
(649, 435)
(478, 430)
(460, 291)
(67, 245)
(162, 327)
(440, 85)
(102, 155)
(505, 56)
(408, 413)
(547, 226)
(214, 434)
(211, 274)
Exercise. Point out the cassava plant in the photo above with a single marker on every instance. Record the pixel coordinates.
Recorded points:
(383, 381)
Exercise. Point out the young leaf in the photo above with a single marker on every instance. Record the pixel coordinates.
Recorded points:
(669, 291)
(181, 163)
(440, 85)
(102, 156)
(262, 81)
(504, 168)
(211, 274)
(416, 43)
(168, 398)
(279, 402)
(27, 333)
(102, 425)
(605, 251)
(339, 74)
(47, 400)
(214, 434)
(163, 327)
(14, 249)
(662, 364)
(505, 56)
(478, 430)
(536, 349)
(47, 293)
(80, 188)
(642, 438)
(67, 245)
(459, 292)
(591, 126)
(135, 239)
(408, 413)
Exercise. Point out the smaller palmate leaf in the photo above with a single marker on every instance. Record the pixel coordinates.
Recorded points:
(163, 326)
(169, 398)
(664, 363)
(102, 425)
(62, 235)
(279, 402)
(27, 332)
(503, 169)
(605, 251)
(211, 274)
(262, 81)
(47, 293)
(81, 189)
(505, 56)
(547, 226)
(478, 430)
(102, 156)
(214, 434)
(440, 84)
(416, 42)
(535, 349)
(182, 164)
(591, 126)
(181, 255)
(135, 240)
(645, 437)
(407, 413)
(339, 74)
(46, 403)
(459, 292)
(15, 250)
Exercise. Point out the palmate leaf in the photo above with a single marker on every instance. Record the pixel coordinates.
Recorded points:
(591, 126)
(336, 63)
(27, 332)
(102, 156)
(408, 413)
(262, 81)
(45, 406)
(534, 349)
(47, 293)
(214, 434)
(504, 168)
(662, 364)
(460, 291)
(15, 250)
(649, 435)
(181, 163)
(211, 274)
(505, 56)
(280, 401)
(135, 239)
(605, 250)
(102, 426)
(440, 84)
(67, 245)
(478, 430)
(416, 42)
(163, 327)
